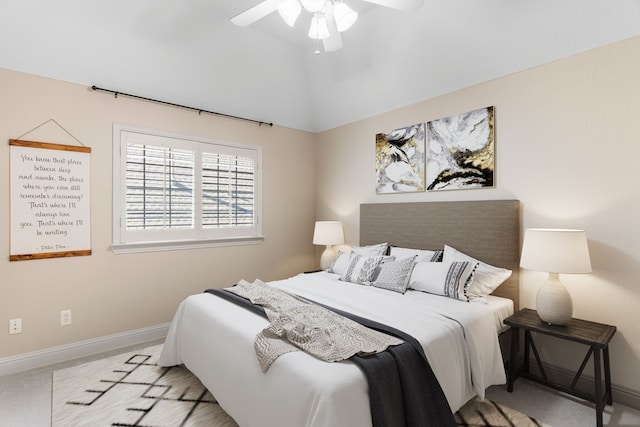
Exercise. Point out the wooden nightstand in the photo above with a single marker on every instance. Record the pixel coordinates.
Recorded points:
(595, 335)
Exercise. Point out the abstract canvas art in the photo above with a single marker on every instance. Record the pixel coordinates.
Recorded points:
(461, 151)
(400, 160)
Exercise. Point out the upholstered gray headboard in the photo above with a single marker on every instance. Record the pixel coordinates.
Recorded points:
(488, 230)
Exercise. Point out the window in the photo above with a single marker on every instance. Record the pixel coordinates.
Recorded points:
(173, 192)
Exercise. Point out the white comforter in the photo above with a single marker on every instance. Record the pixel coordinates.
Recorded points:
(214, 339)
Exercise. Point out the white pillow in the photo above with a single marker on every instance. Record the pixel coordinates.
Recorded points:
(394, 275)
(371, 250)
(420, 254)
(361, 269)
(448, 278)
(486, 278)
(341, 263)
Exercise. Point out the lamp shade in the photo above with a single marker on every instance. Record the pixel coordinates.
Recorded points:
(555, 251)
(289, 11)
(328, 233)
(319, 29)
(345, 16)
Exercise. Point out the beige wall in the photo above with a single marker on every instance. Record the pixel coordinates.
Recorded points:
(568, 147)
(109, 293)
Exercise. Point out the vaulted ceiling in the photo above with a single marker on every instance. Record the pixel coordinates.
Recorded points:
(188, 51)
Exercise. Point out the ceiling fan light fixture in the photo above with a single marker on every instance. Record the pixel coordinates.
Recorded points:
(313, 6)
(345, 16)
(289, 11)
(319, 29)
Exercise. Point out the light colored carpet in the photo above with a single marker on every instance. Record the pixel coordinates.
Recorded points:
(131, 390)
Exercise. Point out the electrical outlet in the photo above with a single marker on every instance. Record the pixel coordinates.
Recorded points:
(15, 326)
(65, 317)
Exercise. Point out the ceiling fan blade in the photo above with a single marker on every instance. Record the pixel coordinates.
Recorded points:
(334, 41)
(404, 5)
(255, 13)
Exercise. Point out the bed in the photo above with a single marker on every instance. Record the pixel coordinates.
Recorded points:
(214, 338)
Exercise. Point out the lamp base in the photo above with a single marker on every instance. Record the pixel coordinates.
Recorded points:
(328, 256)
(553, 302)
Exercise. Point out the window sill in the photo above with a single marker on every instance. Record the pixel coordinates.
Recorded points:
(135, 247)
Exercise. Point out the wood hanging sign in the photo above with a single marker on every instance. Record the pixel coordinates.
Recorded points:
(50, 200)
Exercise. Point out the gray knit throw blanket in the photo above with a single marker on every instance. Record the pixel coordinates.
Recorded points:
(297, 324)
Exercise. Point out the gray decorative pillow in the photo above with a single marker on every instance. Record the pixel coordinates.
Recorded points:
(394, 275)
(341, 263)
(361, 269)
(437, 256)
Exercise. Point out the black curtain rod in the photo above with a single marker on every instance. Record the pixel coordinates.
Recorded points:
(199, 110)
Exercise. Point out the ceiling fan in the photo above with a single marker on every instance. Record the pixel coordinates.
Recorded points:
(329, 17)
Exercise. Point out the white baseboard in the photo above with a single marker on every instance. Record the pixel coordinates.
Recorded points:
(586, 383)
(48, 356)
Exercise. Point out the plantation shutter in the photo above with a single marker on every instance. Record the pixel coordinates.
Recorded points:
(159, 187)
(228, 184)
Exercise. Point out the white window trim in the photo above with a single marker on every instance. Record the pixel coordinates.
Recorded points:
(118, 246)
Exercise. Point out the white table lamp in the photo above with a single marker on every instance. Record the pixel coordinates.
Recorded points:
(556, 251)
(328, 233)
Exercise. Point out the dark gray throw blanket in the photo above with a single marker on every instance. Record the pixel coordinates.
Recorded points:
(403, 391)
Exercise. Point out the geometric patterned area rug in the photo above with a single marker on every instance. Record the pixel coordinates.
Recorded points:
(129, 390)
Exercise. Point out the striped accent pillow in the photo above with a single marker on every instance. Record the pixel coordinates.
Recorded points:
(394, 275)
(486, 278)
(448, 278)
(361, 269)
(341, 263)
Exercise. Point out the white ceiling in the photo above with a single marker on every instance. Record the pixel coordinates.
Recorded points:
(188, 52)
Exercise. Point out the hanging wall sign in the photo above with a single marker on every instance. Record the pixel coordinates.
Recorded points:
(50, 200)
